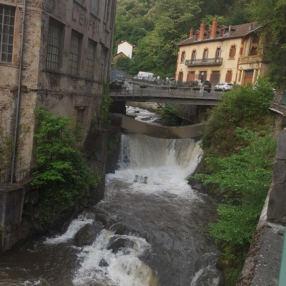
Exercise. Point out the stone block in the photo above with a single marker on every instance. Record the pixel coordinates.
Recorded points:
(279, 172)
(281, 146)
(277, 204)
(11, 205)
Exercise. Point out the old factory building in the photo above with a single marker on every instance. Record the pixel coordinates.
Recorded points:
(224, 54)
(65, 59)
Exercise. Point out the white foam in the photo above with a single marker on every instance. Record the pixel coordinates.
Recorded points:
(154, 166)
(123, 268)
(142, 115)
(73, 228)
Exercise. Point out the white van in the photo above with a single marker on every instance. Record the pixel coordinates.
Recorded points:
(145, 75)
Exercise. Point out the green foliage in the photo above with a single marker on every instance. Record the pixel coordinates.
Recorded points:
(244, 106)
(248, 176)
(156, 27)
(62, 175)
(6, 153)
(104, 107)
(170, 116)
(112, 141)
(122, 62)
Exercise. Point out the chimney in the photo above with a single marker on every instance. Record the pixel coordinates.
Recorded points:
(202, 31)
(214, 26)
(191, 32)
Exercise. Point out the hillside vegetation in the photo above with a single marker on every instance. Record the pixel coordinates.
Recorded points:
(156, 26)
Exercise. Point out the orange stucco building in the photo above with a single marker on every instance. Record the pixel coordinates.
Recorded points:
(225, 54)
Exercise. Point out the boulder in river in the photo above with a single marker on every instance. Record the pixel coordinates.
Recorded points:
(118, 243)
(87, 234)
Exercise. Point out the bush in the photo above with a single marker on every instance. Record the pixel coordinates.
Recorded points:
(62, 176)
(170, 116)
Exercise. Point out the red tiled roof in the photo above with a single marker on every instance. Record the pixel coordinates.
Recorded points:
(237, 31)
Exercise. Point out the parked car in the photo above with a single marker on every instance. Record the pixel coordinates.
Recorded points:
(225, 86)
(198, 83)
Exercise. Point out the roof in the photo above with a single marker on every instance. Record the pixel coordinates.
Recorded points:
(237, 31)
(120, 54)
(125, 42)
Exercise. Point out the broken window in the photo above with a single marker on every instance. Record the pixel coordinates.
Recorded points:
(7, 18)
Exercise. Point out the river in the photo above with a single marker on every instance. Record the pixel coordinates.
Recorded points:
(149, 195)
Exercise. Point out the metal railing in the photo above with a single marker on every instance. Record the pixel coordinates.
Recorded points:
(166, 92)
(117, 74)
(282, 275)
(212, 61)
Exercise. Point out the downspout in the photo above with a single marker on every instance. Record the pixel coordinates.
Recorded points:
(19, 95)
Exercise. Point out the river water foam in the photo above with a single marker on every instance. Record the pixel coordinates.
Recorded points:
(150, 197)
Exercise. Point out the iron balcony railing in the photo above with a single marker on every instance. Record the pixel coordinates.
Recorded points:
(204, 62)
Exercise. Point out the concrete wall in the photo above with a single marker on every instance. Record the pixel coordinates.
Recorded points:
(58, 91)
(190, 131)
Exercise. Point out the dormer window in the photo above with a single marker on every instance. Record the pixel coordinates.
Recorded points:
(208, 34)
(222, 31)
(255, 39)
(197, 35)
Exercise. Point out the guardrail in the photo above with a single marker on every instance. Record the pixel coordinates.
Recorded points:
(282, 275)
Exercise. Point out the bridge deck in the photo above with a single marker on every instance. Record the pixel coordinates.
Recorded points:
(167, 95)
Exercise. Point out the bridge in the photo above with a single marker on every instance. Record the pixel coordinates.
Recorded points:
(166, 94)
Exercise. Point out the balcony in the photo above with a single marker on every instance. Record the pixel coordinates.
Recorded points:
(252, 60)
(204, 62)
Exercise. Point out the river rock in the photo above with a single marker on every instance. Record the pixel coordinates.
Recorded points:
(208, 277)
(116, 244)
(87, 235)
(96, 214)
(197, 187)
(103, 263)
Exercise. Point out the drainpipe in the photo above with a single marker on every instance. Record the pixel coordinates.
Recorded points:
(19, 95)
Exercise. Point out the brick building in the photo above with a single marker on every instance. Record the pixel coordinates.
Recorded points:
(65, 61)
(222, 54)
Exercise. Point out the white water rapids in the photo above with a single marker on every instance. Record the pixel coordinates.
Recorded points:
(150, 197)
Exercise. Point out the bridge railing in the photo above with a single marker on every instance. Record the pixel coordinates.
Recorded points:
(165, 92)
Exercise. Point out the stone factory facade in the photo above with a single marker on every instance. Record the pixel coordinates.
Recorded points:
(66, 58)
(225, 54)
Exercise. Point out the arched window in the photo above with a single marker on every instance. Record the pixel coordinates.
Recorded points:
(222, 30)
(183, 56)
(205, 54)
(232, 52)
(193, 54)
(228, 76)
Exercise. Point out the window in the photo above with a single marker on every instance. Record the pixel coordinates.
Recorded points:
(255, 39)
(232, 52)
(222, 30)
(54, 43)
(183, 56)
(90, 59)
(81, 2)
(205, 55)
(102, 63)
(194, 55)
(218, 51)
(107, 7)
(228, 76)
(203, 75)
(253, 51)
(7, 18)
(74, 53)
(94, 7)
